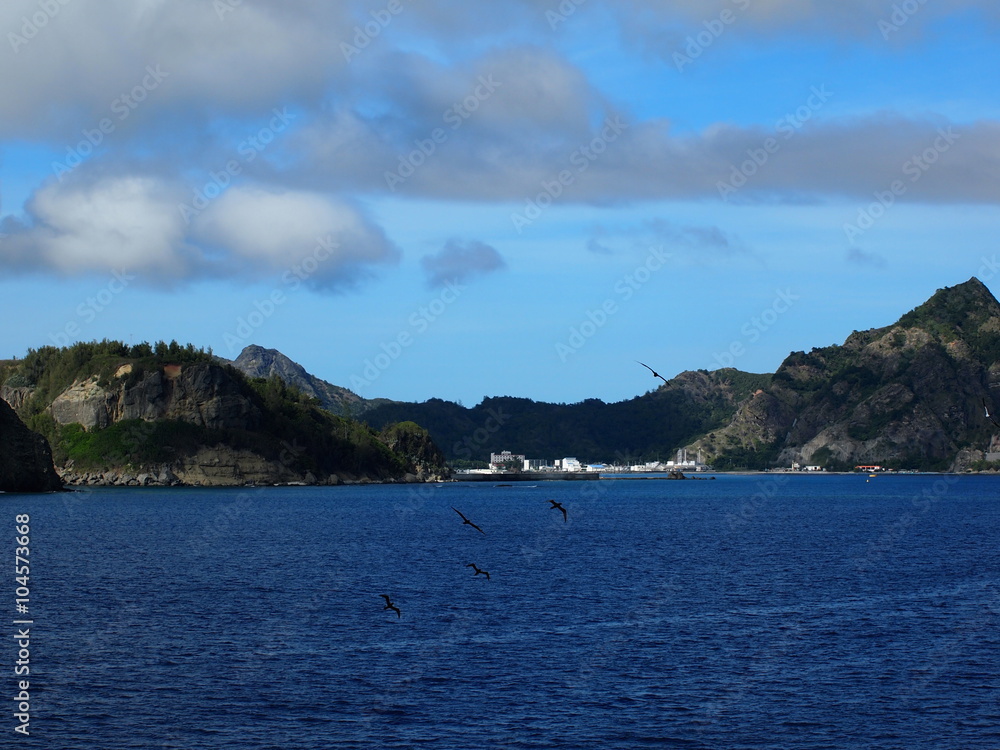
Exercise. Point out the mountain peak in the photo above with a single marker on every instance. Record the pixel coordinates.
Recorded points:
(957, 306)
(263, 362)
(258, 362)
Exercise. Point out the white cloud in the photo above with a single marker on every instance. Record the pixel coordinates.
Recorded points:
(268, 230)
(134, 223)
(112, 223)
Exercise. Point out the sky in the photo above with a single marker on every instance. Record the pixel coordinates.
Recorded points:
(461, 200)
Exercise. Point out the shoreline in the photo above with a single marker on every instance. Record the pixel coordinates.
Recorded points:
(412, 480)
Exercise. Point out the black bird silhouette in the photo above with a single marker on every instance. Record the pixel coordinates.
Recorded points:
(988, 415)
(478, 571)
(558, 506)
(467, 521)
(390, 605)
(655, 373)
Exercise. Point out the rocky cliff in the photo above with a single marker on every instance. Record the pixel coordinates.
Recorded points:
(909, 395)
(25, 457)
(414, 444)
(131, 415)
(200, 394)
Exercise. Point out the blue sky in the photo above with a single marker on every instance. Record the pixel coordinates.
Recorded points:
(441, 199)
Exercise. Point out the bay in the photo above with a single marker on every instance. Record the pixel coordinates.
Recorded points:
(757, 611)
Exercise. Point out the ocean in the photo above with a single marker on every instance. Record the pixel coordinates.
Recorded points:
(758, 611)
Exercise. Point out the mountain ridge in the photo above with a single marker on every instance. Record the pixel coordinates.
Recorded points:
(258, 362)
(906, 395)
(120, 414)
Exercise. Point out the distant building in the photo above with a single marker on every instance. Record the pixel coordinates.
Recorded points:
(536, 464)
(570, 464)
(683, 462)
(506, 460)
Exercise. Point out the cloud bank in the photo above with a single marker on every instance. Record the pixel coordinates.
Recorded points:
(153, 100)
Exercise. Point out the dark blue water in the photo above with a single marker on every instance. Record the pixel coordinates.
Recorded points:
(746, 612)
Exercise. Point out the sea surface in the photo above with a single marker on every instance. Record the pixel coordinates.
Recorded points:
(766, 611)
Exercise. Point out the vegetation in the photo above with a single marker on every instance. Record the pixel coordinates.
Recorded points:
(293, 429)
(649, 427)
(911, 390)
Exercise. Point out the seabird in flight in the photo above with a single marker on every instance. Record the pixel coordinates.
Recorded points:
(655, 373)
(988, 415)
(478, 571)
(390, 605)
(467, 521)
(558, 506)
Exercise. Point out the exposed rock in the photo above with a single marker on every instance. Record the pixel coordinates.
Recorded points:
(414, 444)
(218, 466)
(201, 394)
(907, 395)
(84, 402)
(258, 362)
(25, 457)
(15, 396)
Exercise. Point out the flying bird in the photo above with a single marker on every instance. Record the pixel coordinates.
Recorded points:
(558, 506)
(655, 373)
(390, 605)
(467, 521)
(478, 571)
(988, 415)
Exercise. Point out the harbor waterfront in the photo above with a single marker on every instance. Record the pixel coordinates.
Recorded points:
(523, 476)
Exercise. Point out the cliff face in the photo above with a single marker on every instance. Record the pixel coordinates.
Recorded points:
(199, 394)
(25, 457)
(414, 444)
(907, 395)
(124, 415)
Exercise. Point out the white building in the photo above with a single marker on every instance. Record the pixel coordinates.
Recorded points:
(505, 459)
(536, 464)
